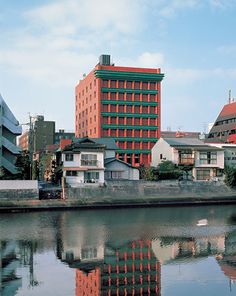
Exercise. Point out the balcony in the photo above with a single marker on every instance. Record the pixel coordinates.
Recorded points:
(186, 161)
(90, 163)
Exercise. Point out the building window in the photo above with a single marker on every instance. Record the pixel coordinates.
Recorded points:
(121, 120)
(113, 83)
(145, 85)
(208, 157)
(128, 97)
(129, 158)
(121, 84)
(89, 159)
(129, 121)
(113, 175)
(69, 157)
(152, 85)
(136, 158)
(121, 108)
(137, 97)
(129, 84)
(113, 96)
(71, 173)
(88, 253)
(121, 157)
(91, 177)
(105, 83)
(144, 98)
(203, 174)
(186, 157)
(137, 85)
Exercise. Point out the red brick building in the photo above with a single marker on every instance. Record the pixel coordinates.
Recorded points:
(122, 103)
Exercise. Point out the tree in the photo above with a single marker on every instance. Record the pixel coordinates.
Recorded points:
(35, 170)
(168, 170)
(146, 173)
(230, 176)
(23, 164)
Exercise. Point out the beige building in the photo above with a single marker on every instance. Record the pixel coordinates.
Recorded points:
(206, 162)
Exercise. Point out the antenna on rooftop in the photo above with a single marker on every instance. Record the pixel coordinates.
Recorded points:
(230, 97)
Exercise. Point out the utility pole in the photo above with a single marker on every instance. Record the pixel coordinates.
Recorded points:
(31, 144)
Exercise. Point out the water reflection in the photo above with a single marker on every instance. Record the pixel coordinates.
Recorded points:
(119, 252)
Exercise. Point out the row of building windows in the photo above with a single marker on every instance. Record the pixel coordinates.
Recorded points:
(129, 121)
(129, 97)
(130, 109)
(133, 158)
(129, 84)
(226, 121)
(222, 133)
(85, 122)
(130, 133)
(79, 105)
(87, 88)
(92, 132)
(135, 145)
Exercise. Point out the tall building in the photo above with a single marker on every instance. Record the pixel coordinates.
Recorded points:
(122, 103)
(9, 130)
(41, 134)
(224, 128)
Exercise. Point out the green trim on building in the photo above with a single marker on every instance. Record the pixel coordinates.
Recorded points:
(142, 127)
(132, 103)
(134, 151)
(131, 76)
(129, 90)
(136, 115)
(125, 139)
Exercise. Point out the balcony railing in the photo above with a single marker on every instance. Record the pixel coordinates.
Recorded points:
(89, 162)
(186, 161)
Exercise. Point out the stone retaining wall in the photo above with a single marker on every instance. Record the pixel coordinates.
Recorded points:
(143, 189)
(19, 189)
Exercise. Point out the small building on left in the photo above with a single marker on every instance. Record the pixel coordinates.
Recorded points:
(9, 130)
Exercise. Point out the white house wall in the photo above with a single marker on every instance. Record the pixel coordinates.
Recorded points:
(128, 173)
(219, 162)
(161, 147)
(77, 160)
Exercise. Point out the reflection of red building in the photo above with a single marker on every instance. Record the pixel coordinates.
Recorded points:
(131, 269)
(88, 284)
(122, 103)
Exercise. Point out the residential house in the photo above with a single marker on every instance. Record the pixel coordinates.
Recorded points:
(113, 167)
(229, 153)
(116, 169)
(204, 161)
(83, 162)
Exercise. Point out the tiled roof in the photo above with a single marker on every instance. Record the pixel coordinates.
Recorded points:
(228, 109)
(184, 142)
(189, 143)
(111, 159)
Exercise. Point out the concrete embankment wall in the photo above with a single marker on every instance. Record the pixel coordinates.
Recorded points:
(141, 190)
(18, 189)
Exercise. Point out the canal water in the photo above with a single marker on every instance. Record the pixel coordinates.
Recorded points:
(146, 251)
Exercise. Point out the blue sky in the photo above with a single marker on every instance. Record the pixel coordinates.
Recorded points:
(46, 46)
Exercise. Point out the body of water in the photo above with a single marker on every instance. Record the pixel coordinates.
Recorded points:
(146, 251)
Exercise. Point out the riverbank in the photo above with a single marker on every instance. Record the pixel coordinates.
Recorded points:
(129, 194)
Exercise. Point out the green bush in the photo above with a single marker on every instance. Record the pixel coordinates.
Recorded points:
(230, 176)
